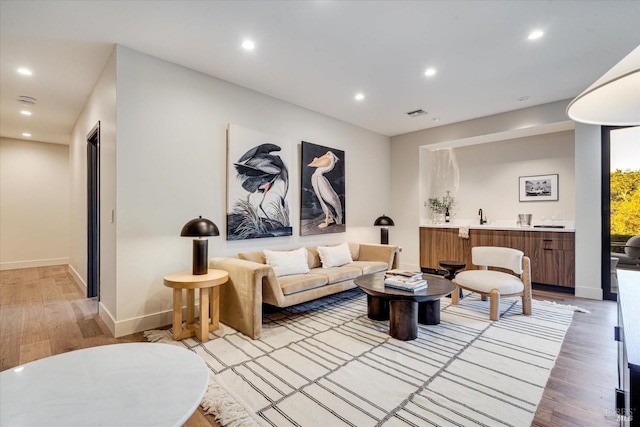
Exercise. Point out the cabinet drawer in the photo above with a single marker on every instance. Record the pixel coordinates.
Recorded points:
(550, 240)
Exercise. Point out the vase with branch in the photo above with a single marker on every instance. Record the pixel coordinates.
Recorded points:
(441, 207)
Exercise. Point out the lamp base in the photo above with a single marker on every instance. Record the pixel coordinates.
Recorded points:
(384, 236)
(200, 255)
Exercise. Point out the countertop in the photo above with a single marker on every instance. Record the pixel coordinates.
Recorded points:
(503, 225)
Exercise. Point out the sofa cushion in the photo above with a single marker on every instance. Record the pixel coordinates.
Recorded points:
(368, 267)
(301, 282)
(286, 263)
(253, 256)
(337, 274)
(335, 256)
(314, 258)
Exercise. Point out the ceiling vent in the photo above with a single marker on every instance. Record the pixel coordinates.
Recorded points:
(416, 113)
(27, 99)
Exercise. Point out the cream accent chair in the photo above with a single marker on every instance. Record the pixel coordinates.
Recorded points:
(494, 284)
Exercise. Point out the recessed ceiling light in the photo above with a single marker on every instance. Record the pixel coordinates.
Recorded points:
(25, 71)
(523, 98)
(436, 119)
(248, 45)
(25, 112)
(535, 34)
(27, 134)
(430, 72)
(359, 96)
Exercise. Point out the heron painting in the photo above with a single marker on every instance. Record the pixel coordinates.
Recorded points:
(258, 185)
(322, 198)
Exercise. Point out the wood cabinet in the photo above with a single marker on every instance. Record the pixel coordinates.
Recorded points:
(552, 253)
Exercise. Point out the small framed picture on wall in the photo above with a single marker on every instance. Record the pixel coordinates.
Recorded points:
(539, 188)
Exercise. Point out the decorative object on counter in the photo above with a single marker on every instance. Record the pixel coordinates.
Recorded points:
(539, 188)
(200, 227)
(524, 220)
(441, 208)
(613, 98)
(384, 222)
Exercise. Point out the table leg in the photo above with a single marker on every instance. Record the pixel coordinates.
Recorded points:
(202, 331)
(429, 312)
(377, 308)
(214, 308)
(191, 308)
(177, 313)
(403, 319)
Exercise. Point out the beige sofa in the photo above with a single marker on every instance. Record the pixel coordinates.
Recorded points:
(253, 282)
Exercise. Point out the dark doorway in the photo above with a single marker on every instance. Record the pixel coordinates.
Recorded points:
(93, 212)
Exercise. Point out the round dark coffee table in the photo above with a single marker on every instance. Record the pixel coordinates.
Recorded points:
(403, 309)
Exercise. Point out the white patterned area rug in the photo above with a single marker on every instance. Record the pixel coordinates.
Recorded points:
(325, 363)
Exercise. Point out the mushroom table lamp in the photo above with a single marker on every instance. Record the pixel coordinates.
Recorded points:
(385, 222)
(200, 227)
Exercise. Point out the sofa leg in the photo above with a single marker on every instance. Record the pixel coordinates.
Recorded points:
(494, 305)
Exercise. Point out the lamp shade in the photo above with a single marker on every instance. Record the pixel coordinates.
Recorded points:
(614, 99)
(384, 221)
(199, 227)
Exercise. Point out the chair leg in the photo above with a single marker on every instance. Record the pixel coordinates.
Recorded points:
(526, 304)
(455, 296)
(494, 305)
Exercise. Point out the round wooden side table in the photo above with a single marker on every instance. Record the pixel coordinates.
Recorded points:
(209, 302)
(452, 268)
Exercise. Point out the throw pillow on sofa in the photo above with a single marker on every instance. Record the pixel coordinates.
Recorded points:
(286, 263)
(334, 256)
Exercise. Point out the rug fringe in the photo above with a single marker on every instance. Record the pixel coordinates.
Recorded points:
(565, 306)
(218, 402)
(161, 336)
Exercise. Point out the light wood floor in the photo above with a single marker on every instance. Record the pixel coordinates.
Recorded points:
(43, 312)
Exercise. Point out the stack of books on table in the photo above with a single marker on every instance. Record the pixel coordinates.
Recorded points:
(410, 284)
(404, 273)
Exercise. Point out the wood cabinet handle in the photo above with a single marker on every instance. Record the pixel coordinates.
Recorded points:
(547, 249)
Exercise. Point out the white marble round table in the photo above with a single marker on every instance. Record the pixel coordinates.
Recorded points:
(136, 384)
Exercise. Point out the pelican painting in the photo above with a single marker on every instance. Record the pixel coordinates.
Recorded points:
(258, 185)
(322, 197)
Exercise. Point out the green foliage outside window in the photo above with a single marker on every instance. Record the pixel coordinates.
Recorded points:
(625, 204)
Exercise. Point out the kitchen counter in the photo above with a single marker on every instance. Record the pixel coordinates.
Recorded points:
(503, 225)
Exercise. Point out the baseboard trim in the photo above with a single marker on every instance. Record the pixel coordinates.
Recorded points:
(16, 265)
(553, 288)
(78, 278)
(590, 293)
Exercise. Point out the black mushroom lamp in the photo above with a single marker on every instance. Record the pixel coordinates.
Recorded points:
(385, 222)
(200, 227)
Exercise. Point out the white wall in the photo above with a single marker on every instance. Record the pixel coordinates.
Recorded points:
(171, 167)
(588, 161)
(100, 107)
(34, 204)
(487, 176)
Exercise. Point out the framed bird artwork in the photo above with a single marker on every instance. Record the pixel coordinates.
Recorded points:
(258, 166)
(322, 197)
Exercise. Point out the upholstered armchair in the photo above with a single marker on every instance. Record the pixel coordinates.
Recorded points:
(495, 284)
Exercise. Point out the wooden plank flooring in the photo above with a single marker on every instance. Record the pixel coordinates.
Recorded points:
(43, 312)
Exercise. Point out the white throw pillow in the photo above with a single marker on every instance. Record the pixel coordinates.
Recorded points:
(285, 263)
(334, 256)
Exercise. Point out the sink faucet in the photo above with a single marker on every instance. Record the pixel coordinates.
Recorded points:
(482, 220)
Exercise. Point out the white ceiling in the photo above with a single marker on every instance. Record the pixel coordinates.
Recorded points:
(318, 54)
